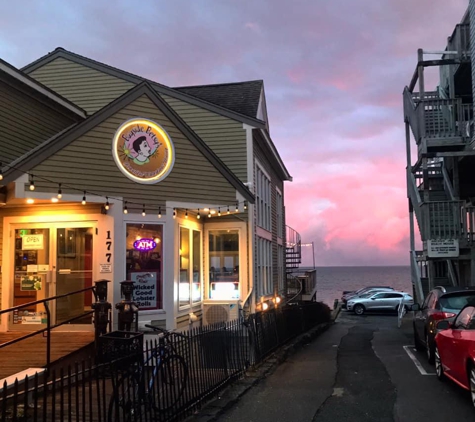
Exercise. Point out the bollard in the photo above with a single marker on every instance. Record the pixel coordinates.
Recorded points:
(128, 309)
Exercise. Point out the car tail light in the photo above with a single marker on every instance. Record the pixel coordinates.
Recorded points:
(442, 315)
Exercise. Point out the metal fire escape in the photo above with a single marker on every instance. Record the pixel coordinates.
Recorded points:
(439, 183)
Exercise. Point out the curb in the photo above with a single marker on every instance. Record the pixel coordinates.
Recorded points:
(233, 393)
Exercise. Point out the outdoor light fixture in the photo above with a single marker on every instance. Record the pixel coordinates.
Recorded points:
(186, 213)
(84, 199)
(107, 204)
(159, 212)
(265, 306)
(198, 216)
(143, 211)
(1, 172)
(174, 212)
(219, 211)
(125, 208)
(32, 183)
(60, 193)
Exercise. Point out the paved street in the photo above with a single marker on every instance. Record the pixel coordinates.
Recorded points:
(356, 371)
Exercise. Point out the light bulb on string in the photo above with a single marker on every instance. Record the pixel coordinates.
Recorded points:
(237, 206)
(198, 216)
(245, 205)
(219, 211)
(1, 171)
(60, 192)
(107, 204)
(209, 214)
(84, 199)
(159, 212)
(186, 213)
(228, 210)
(174, 212)
(143, 211)
(32, 183)
(125, 208)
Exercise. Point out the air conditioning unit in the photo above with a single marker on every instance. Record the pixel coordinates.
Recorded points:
(220, 311)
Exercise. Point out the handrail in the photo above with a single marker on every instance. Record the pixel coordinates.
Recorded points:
(448, 184)
(410, 113)
(48, 319)
(416, 274)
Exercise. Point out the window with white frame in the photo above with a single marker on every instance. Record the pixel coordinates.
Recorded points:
(264, 267)
(263, 199)
(280, 214)
(189, 288)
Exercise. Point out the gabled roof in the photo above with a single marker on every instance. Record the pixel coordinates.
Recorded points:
(61, 140)
(241, 97)
(40, 90)
(118, 73)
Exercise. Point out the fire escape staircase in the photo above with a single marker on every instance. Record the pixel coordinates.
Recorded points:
(293, 259)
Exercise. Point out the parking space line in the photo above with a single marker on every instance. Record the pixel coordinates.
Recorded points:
(413, 357)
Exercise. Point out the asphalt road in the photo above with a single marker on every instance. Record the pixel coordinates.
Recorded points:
(358, 370)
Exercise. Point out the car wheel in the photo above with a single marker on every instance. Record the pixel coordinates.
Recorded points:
(417, 342)
(471, 382)
(358, 309)
(429, 350)
(439, 370)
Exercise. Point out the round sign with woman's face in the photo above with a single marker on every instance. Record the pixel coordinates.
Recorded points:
(143, 151)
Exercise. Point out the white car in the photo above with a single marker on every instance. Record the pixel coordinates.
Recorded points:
(380, 301)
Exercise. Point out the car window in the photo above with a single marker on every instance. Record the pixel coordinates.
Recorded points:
(366, 295)
(379, 295)
(464, 318)
(394, 295)
(456, 302)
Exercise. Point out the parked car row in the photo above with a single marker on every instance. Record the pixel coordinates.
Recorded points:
(375, 298)
(444, 326)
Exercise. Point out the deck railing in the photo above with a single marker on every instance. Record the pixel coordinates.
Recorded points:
(293, 249)
(442, 220)
(460, 40)
(416, 277)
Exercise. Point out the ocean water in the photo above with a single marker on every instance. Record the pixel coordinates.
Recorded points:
(331, 281)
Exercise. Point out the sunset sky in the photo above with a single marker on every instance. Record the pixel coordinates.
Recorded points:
(333, 70)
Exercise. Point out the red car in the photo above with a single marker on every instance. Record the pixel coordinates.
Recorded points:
(455, 350)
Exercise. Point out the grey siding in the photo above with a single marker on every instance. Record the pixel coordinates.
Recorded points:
(226, 137)
(41, 210)
(87, 164)
(88, 88)
(260, 154)
(25, 122)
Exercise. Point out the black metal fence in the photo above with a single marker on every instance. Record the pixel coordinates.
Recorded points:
(169, 380)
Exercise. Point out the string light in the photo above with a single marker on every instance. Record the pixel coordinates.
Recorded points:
(245, 205)
(107, 204)
(198, 215)
(125, 208)
(219, 211)
(186, 213)
(84, 199)
(60, 193)
(32, 183)
(209, 214)
(228, 210)
(174, 213)
(1, 171)
(143, 211)
(159, 212)
(237, 206)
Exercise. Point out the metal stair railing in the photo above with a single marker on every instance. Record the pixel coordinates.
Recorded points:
(451, 272)
(448, 184)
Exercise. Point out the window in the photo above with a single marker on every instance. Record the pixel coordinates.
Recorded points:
(189, 289)
(280, 214)
(263, 199)
(223, 255)
(464, 318)
(393, 295)
(144, 263)
(264, 267)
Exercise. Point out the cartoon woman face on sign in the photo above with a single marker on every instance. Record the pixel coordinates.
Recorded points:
(140, 148)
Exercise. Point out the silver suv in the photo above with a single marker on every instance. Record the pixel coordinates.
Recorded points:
(379, 301)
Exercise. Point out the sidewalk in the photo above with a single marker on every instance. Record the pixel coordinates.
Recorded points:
(269, 397)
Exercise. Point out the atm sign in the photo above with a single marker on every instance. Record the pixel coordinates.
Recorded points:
(145, 244)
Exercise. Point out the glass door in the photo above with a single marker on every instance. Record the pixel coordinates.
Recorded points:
(53, 260)
(73, 272)
(31, 277)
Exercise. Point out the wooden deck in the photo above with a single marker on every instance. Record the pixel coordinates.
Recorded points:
(31, 352)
